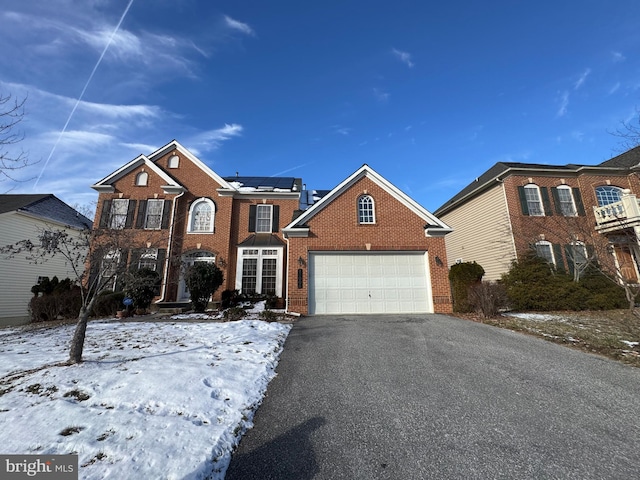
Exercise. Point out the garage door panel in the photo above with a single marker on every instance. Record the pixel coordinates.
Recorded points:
(380, 282)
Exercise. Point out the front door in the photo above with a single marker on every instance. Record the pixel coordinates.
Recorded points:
(626, 263)
(188, 260)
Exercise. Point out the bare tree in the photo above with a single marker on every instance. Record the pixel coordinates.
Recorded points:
(97, 258)
(12, 158)
(629, 132)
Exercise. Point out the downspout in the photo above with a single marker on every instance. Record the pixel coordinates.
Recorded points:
(286, 300)
(167, 260)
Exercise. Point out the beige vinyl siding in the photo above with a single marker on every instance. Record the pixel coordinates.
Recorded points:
(18, 275)
(481, 233)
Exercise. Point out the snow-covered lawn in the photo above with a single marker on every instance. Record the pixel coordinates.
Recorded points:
(162, 400)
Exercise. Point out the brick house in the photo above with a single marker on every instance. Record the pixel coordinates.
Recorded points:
(269, 236)
(562, 212)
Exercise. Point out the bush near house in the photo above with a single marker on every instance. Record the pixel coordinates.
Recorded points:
(533, 284)
(202, 280)
(107, 304)
(462, 276)
(54, 299)
(142, 285)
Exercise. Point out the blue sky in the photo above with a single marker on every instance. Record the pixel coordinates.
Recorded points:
(429, 94)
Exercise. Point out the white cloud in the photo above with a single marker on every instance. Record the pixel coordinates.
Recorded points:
(617, 57)
(582, 79)
(239, 26)
(339, 129)
(404, 57)
(380, 95)
(212, 139)
(614, 88)
(564, 104)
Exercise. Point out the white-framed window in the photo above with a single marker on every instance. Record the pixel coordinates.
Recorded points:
(153, 214)
(545, 250)
(201, 216)
(578, 252)
(174, 161)
(607, 194)
(119, 208)
(109, 269)
(259, 270)
(366, 209)
(142, 179)
(534, 202)
(264, 216)
(149, 259)
(567, 204)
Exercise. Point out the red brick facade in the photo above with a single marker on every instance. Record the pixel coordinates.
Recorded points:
(397, 228)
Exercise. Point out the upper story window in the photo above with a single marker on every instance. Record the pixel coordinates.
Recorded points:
(566, 202)
(544, 250)
(201, 216)
(608, 194)
(174, 161)
(153, 214)
(534, 202)
(264, 218)
(142, 179)
(366, 210)
(119, 209)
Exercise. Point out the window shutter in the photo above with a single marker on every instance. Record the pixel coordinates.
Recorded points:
(122, 266)
(252, 218)
(166, 210)
(130, 214)
(577, 197)
(162, 254)
(591, 255)
(135, 258)
(569, 255)
(275, 226)
(142, 210)
(557, 255)
(556, 200)
(106, 214)
(523, 201)
(545, 201)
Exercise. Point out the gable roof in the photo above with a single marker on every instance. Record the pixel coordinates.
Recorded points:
(628, 159)
(501, 170)
(45, 207)
(433, 226)
(172, 185)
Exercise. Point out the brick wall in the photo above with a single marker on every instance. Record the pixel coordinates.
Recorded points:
(336, 227)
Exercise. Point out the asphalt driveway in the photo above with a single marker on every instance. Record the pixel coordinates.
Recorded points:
(431, 396)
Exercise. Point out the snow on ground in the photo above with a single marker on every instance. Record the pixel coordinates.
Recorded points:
(540, 317)
(161, 400)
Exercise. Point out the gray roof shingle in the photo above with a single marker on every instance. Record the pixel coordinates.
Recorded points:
(45, 206)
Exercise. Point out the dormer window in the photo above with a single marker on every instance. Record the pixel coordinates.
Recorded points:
(141, 179)
(366, 210)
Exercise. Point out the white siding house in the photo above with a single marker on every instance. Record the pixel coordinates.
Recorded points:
(22, 217)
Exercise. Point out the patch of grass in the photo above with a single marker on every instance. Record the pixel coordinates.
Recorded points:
(601, 332)
(70, 431)
(79, 395)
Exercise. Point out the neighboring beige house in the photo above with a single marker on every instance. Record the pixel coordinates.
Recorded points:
(22, 217)
(514, 208)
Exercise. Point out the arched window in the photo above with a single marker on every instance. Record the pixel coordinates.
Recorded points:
(366, 210)
(608, 194)
(201, 216)
(141, 179)
(534, 203)
(174, 161)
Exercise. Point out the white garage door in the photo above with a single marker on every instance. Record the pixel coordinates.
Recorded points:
(380, 282)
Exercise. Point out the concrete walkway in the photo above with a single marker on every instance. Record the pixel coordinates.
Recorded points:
(430, 396)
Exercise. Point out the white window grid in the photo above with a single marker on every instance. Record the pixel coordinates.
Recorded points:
(153, 215)
(263, 218)
(534, 203)
(567, 205)
(366, 210)
(119, 209)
